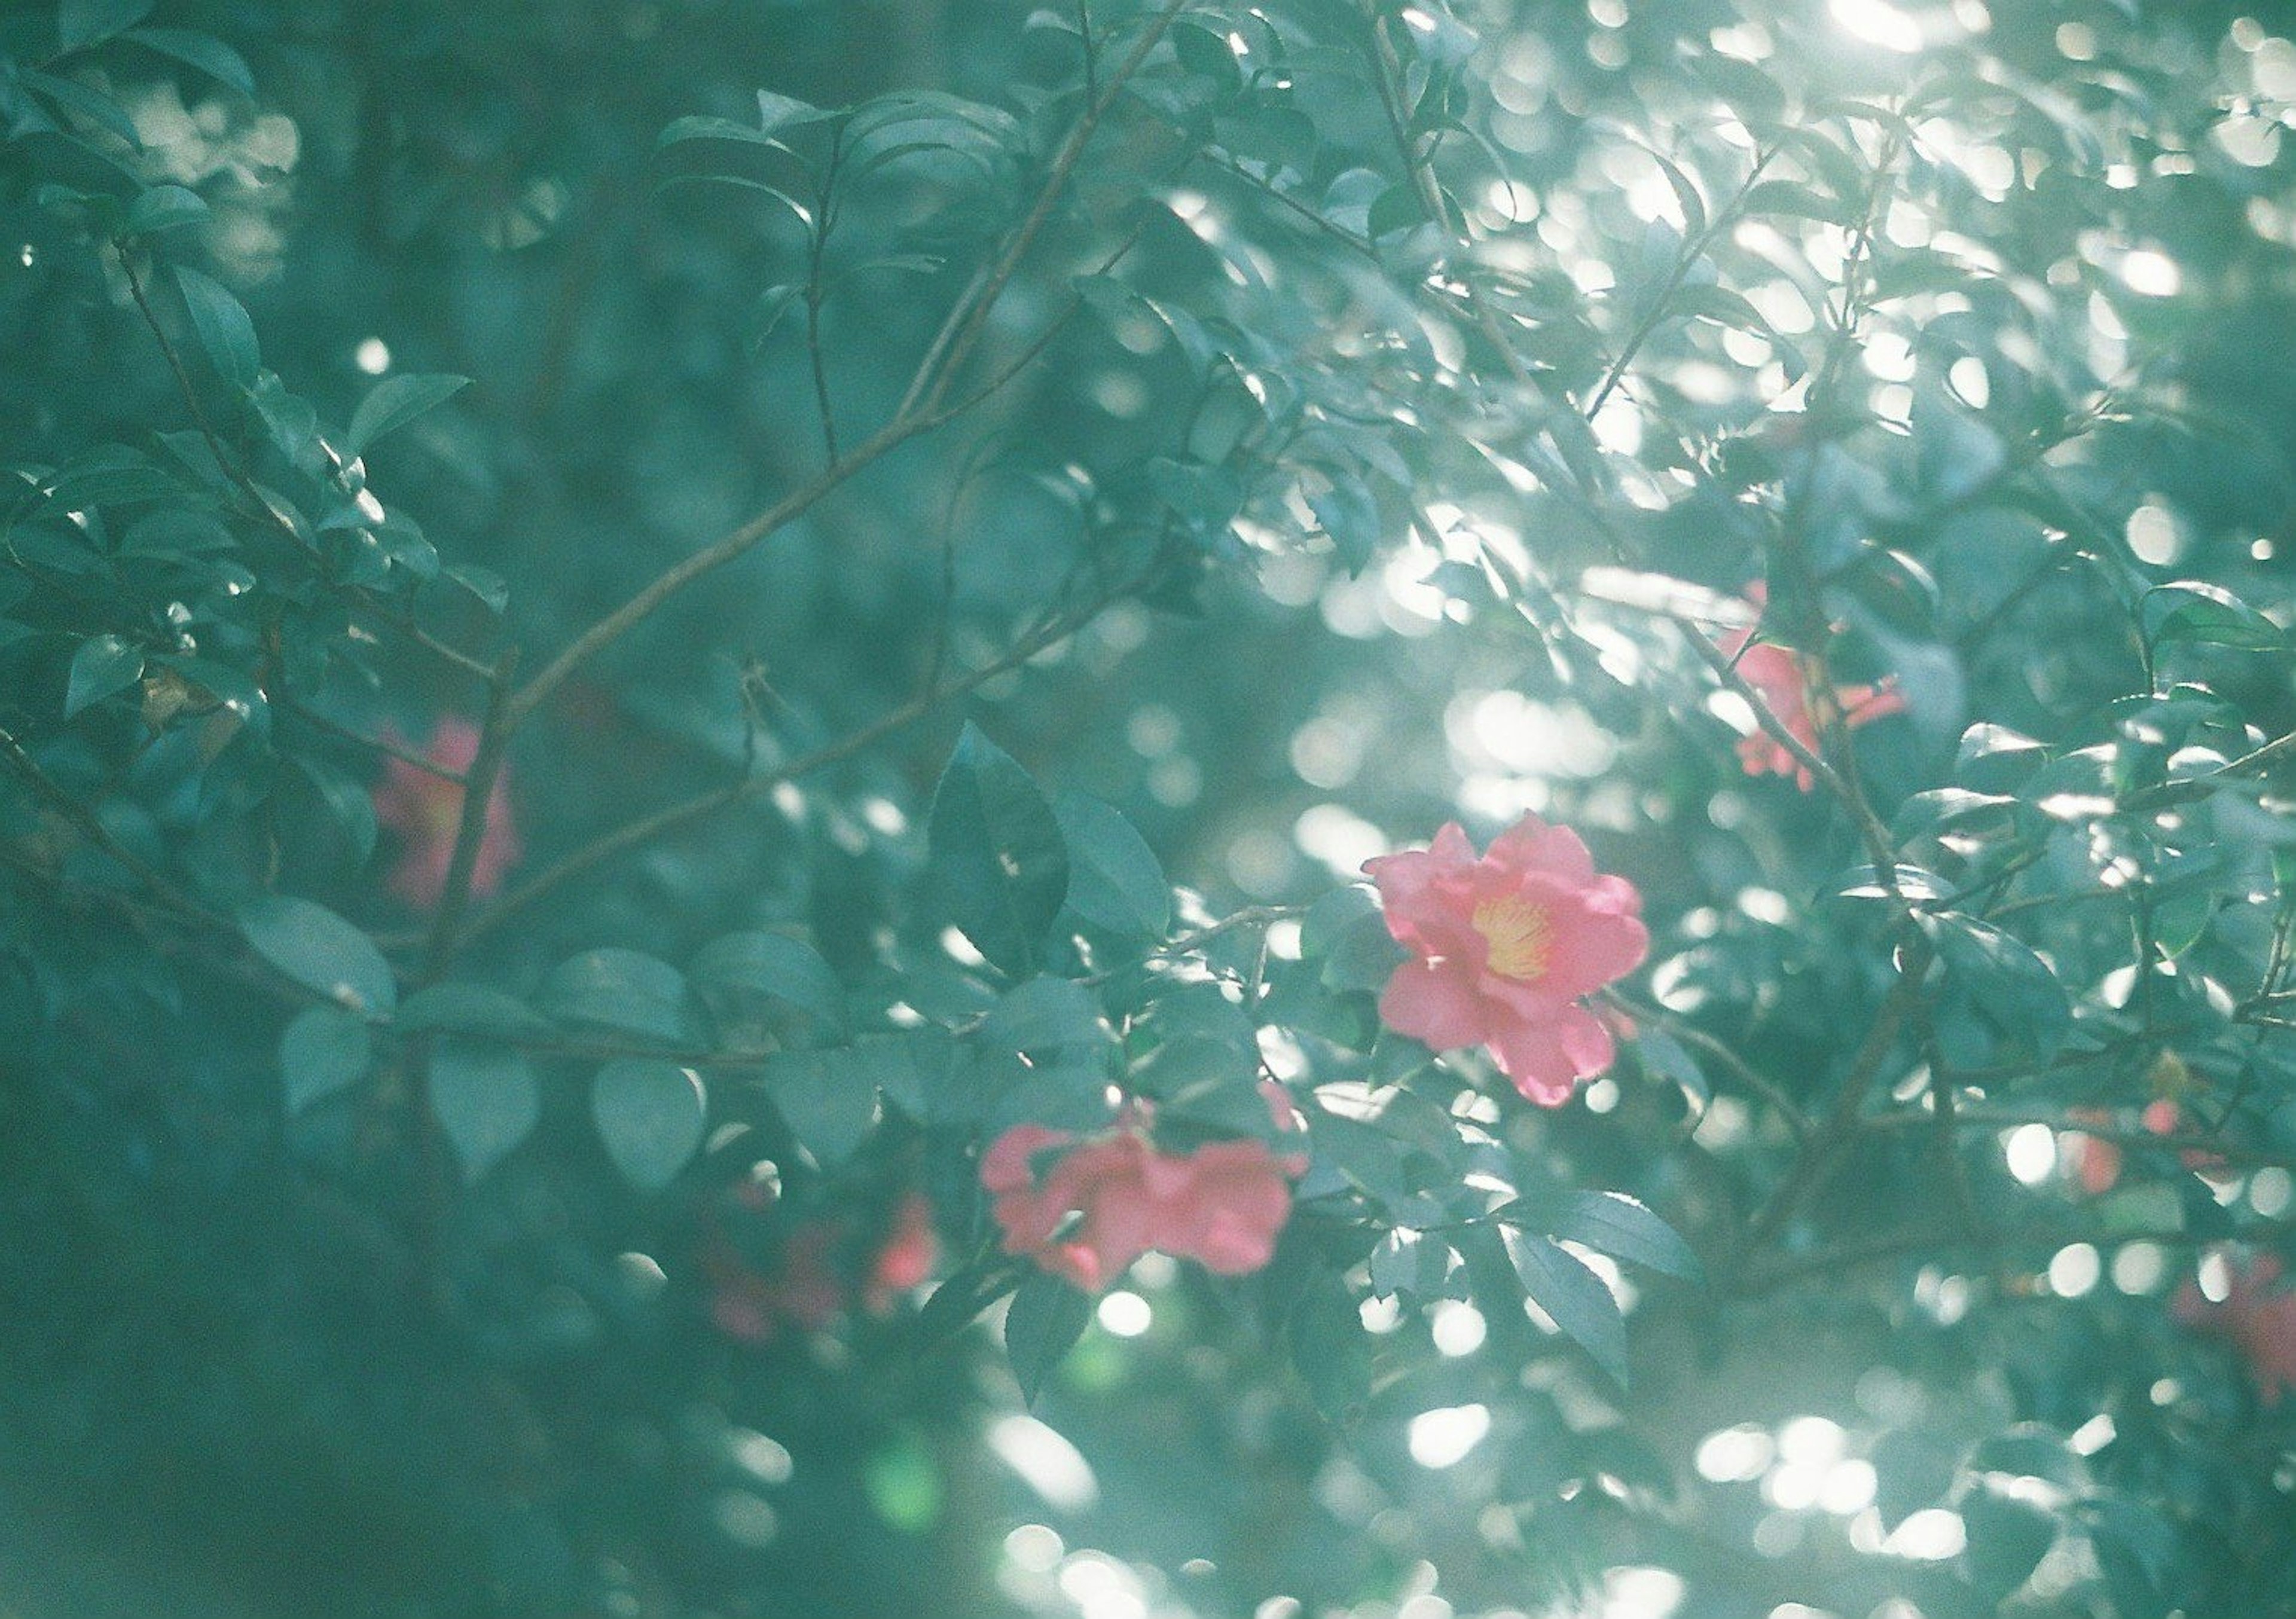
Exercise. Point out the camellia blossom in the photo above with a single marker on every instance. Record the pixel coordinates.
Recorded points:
(1780, 676)
(426, 811)
(1504, 947)
(1086, 1209)
(2257, 1315)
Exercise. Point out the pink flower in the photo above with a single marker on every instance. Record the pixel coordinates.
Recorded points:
(1504, 948)
(1087, 1213)
(2258, 1320)
(910, 1251)
(2096, 1162)
(426, 810)
(813, 1282)
(1780, 676)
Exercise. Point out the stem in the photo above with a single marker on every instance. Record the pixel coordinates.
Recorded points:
(469, 831)
(647, 828)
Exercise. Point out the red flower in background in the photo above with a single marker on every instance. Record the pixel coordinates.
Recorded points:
(1504, 946)
(426, 810)
(816, 1279)
(2258, 1318)
(1103, 1202)
(2095, 1162)
(1780, 677)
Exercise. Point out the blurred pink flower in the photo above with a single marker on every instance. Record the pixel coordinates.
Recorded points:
(1504, 946)
(2096, 1163)
(2257, 1316)
(1780, 677)
(426, 810)
(813, 1282)
(1087, 1213)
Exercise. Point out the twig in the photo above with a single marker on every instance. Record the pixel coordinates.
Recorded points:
(647, 828)
(311, 717)
(470, 826)
(1690, 1033)
(85, 821)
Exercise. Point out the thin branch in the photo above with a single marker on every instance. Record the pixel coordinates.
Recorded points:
(1829, 1262)
(298, 709)
(471, 828)
(85, 822)
(1745, 1073)
(1692, 246)
(647, 828)
(1056, 179)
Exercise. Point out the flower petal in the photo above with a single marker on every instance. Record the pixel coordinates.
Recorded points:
(1435, 1002)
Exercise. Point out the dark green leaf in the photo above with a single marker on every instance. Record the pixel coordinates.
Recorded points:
(2194, 611)
(393, 403)
(81, 23)
(163, 208)
(320, 951)
(1609, 1222)
(828, 1098)
(998, 862)
(1331, 1351)
(622, 991)
(768, 986)
(1574, 1298)
(104, 665)
(651, 1116)
(324, 1049)
(1042, 1324)
(227, 335)
(486, 1099)
(469, 1009)
(1115, 882)
(210, 55)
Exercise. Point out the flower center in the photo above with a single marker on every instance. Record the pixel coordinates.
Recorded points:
(1520, 933)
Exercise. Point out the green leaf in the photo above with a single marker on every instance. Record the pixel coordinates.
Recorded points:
(90, 105)
(997, 856)
(651, 1115)
(1363, 955)
(164, 208)
(81, 23)
(1042, 1324)
(104, 665)
(349, 804)
(1574, 1298)
(1332, 1352)
(486, 1099)
(1609, 1222)
(1344, 508)
(1115, 882)
(225, 334)
(768, 986)
(828, 1098)
(622, 991)
(2005, 978)
(2008, 1537)
(2193, 611)
(210, 55)
(469, 1009)
(393, 403)
(320, 951)
(323, 1051)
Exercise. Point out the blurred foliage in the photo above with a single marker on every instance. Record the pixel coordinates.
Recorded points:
(628, 626)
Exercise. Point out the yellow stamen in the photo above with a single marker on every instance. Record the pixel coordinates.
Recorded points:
(1520, 933)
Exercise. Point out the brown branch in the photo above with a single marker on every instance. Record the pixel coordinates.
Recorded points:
(85, 822)
(647, 828)
(471, 828)
(1831, 1259)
